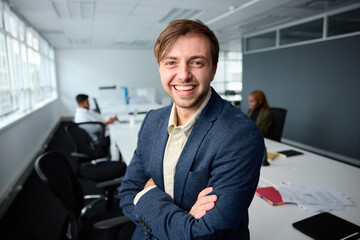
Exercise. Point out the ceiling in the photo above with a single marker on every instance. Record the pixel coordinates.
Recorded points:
(137, 23)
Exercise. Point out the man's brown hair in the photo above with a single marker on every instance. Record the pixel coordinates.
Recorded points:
(181, 27)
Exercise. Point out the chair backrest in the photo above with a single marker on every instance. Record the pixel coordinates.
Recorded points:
(276, 131)
(54, 170)
(97, 108)
(92, 146)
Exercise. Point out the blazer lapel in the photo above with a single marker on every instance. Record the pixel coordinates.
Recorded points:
(201, 127)
(158, 150)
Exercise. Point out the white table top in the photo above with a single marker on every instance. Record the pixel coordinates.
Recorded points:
(124, 136)
(121, 109)
(307, 169)
(275, 222)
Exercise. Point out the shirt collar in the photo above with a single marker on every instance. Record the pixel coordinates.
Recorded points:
(186, 128)
(79, 109)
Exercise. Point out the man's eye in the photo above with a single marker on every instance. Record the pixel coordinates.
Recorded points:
(197, 63)
(170, 63)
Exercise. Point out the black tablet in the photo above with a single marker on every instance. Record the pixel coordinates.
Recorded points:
(326, 226)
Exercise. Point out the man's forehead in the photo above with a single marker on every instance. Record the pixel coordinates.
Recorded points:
(172, 50)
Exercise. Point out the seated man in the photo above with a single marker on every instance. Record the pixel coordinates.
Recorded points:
(83, 114)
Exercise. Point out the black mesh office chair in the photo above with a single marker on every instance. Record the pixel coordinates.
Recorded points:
(276, 130)
(55, 171)
(88, 139)
(92, 157)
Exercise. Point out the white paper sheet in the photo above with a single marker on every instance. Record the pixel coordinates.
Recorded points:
(314, 198)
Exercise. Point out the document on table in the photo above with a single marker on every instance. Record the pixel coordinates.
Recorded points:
(314, 198)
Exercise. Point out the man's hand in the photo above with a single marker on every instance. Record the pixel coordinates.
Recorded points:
(203, 204)
(111, 120)
(149, 183)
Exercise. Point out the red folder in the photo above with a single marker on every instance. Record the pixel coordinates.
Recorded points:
(270, 195)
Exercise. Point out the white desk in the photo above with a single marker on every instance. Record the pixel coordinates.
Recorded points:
(122, 109)
(307, 169)
(275, 222)
(123, 137)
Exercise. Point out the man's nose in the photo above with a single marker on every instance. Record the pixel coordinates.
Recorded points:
(184, 73)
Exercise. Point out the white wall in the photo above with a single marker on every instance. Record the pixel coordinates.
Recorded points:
(21, 141)
(84, 70)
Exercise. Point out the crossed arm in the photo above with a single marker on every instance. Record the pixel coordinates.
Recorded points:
(231, 184)
(233, 187)
(203, 203)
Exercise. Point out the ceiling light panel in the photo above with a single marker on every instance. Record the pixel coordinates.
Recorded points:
(74, 10)
(61, 9)
(87, 10)
(181, 13)
(79, 41)
(115, 7)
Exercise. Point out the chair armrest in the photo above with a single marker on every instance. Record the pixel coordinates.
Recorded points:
(80, 155)
(112, 222)
(111, 183)
(91, 205)
(98, 160)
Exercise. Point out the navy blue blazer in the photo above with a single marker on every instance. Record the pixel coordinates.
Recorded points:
(224, 151)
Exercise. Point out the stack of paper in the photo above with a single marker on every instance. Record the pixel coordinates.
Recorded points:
(314, 198)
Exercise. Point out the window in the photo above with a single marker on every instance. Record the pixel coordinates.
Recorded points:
(303, 32)
(27, 68)
(261, 41)
(229, 73)
(5, 86)
(347, 22)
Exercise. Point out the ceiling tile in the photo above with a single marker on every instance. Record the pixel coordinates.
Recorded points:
(134, 23)
(151, 10)
(36, 14)
(115, 7)
(39, 5)
(109, 17)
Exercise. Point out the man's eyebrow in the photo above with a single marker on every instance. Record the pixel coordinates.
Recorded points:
(169, 58)
(191, 58)
(198, 56)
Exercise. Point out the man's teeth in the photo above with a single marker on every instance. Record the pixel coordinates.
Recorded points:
(184, 88)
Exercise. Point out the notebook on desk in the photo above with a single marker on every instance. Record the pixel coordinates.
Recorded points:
(270, 195)
(289, 153)
(326, 226)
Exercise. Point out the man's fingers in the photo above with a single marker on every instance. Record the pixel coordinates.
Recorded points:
(206, 199)
(205, 192)
(203, 209)
(204, 203)
(200, 214)
(202, 206)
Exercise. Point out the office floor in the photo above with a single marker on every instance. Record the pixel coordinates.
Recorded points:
(36, 213)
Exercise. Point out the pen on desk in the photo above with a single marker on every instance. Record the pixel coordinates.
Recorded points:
(351, 235)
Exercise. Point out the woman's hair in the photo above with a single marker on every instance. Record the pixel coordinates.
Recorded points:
(260, 97)
(181, 27)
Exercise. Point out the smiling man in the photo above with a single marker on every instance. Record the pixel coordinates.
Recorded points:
(197, 162)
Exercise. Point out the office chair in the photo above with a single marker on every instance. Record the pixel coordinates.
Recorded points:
(55, 171)
(97, 109)
(276, 130)
(88, 139)
(86, 160)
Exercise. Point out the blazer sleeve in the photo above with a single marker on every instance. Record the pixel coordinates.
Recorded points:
(234, 177)
(134, 180)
